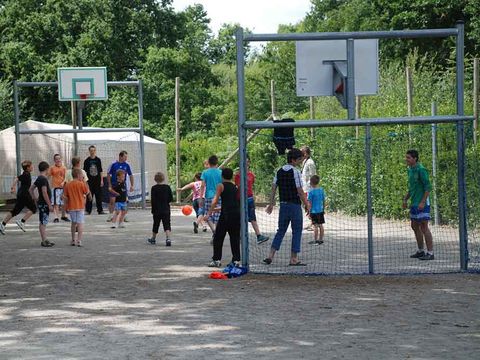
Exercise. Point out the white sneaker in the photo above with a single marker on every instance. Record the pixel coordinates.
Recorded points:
(215, 263)
(121, 225)
(2, 229)
(21, 225)
(114, 226)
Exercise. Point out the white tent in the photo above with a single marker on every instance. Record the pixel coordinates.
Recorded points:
(42, 147)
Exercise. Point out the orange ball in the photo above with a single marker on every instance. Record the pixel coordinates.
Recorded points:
(187, 210)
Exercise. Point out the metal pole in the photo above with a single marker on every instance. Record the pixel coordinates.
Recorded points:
(434, 166)
(73, 109)
(368, 163)
(142, 144)
(358, 114)
(462, 201)
(273, 101)
(177, 138)
(312, 116)
(351, 79)
(408, 75)
(242, 146)
(17, 127)
(476, 105)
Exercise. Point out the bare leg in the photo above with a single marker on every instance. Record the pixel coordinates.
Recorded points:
(111, 205)
(418, 234)
(315, 232)
(43, 232)
(255, 227)
(427, 234)
(27, 215)
(56, 210)
(167, 234)
(293, 258)
(322, 232)
(114, 217)
(7, 218)
(154, 236)
(122, 216)
(211, 225)
(73, 228)
(272, 253)
(80, 233)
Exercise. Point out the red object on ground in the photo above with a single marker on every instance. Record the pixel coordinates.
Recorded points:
(218, 275)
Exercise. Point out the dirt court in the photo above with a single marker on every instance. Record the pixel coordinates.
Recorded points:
(119, 298)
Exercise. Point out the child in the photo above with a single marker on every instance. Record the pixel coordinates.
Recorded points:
(119, 190)
(75, 165)
(229, 220)
(44, 204)
(289, 182)
(74, 194)
(316, 197)
(161, 196)
(197, 198)
(24, 199)
(57, 175)
(252, 218)
(211, 177)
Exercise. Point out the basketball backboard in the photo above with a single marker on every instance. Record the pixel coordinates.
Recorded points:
(314, 66)
(82, 83)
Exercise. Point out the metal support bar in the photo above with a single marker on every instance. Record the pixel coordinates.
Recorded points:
(368, 174)
(351, 79)
(142, 144)
(395, 34)
(434, 168)
(242, 146)
(360, 122)
(55, 83)
(76, 131)
(17, 128)
(462, 188)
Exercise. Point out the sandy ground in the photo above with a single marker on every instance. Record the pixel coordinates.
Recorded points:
(119, 298)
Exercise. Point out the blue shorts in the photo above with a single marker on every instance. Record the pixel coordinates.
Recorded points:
(420, 215)
(121, 206)
(251, 209)
(43, 213)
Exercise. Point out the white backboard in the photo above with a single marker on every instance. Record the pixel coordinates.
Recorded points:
(314, 77)
(82, 84)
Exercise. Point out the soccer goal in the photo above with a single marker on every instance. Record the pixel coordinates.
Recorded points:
(366, 229)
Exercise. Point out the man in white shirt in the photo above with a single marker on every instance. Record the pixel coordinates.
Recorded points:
(308, 170)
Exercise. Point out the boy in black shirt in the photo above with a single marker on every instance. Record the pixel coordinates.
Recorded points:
(44, 202)
(229, 220)
(120, 192)
(24, 199)
(161, 196)
(93, 167)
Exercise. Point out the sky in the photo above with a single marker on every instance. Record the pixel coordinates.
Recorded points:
(259, 16)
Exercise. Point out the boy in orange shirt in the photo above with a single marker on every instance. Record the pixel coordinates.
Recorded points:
(57, 175)
(74, 195)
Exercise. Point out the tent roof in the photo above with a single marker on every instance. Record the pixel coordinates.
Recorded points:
(86, 137)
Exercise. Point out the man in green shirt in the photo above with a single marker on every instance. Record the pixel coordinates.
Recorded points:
(419, 188)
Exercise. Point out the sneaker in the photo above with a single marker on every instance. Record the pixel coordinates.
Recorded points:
(168, 242)
(262, 238)
(47, 243)
(64, 218)
(267, 261)
(204, 228)
(125, 219)
(79, 244)
(195, 227)
(56, 220)
(2, 229)
(110, 217)
(418, 255)
(101, 213)
(215, 263)
(427, 256)
(237, 264)
(72, 243)
(21, 225)
(113, 226)
(316, 242)
(121, 226)
(151, 241)
(88, 213)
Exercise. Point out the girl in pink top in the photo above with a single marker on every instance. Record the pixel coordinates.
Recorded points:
(197, 198)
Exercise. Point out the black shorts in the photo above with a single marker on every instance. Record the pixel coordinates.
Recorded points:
(318, 218)
(24, 201)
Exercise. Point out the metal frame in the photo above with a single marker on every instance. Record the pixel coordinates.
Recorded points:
(459, 118)
(138, 84)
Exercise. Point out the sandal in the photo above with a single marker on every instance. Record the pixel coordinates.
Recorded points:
(47, 243)
(298, 263)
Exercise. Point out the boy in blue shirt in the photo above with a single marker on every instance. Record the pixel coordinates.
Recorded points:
(316, 197)
(211, 177)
